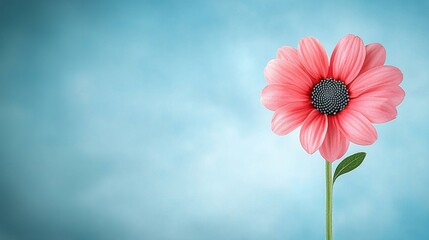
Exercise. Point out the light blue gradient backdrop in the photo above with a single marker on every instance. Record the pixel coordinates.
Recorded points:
(141, 120)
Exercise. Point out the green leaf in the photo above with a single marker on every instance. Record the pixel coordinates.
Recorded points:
(348, 164)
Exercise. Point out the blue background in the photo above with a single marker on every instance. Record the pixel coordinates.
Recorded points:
(141, 120)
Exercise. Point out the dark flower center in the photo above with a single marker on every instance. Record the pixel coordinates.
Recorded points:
(330, 96)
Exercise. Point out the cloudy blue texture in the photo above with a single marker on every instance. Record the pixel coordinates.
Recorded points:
(141, 120)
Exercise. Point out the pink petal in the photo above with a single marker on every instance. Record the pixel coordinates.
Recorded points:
(334, 53)
(313, 56)
(374, 78)
(376, 110)
(347, 58)
(280, 71)
(313, 131)
(335, 144)
(275, 96)
(375, 56)
(289, 54)
(289, 117)
(356, 127)
(395, 94)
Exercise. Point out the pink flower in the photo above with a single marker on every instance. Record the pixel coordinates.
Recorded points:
(335, 101)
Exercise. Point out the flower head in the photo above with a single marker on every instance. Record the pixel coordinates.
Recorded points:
(335, 101)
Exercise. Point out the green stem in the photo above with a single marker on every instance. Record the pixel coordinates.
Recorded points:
(328, 200)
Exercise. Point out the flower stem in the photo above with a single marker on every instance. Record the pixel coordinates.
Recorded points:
(328, 168)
